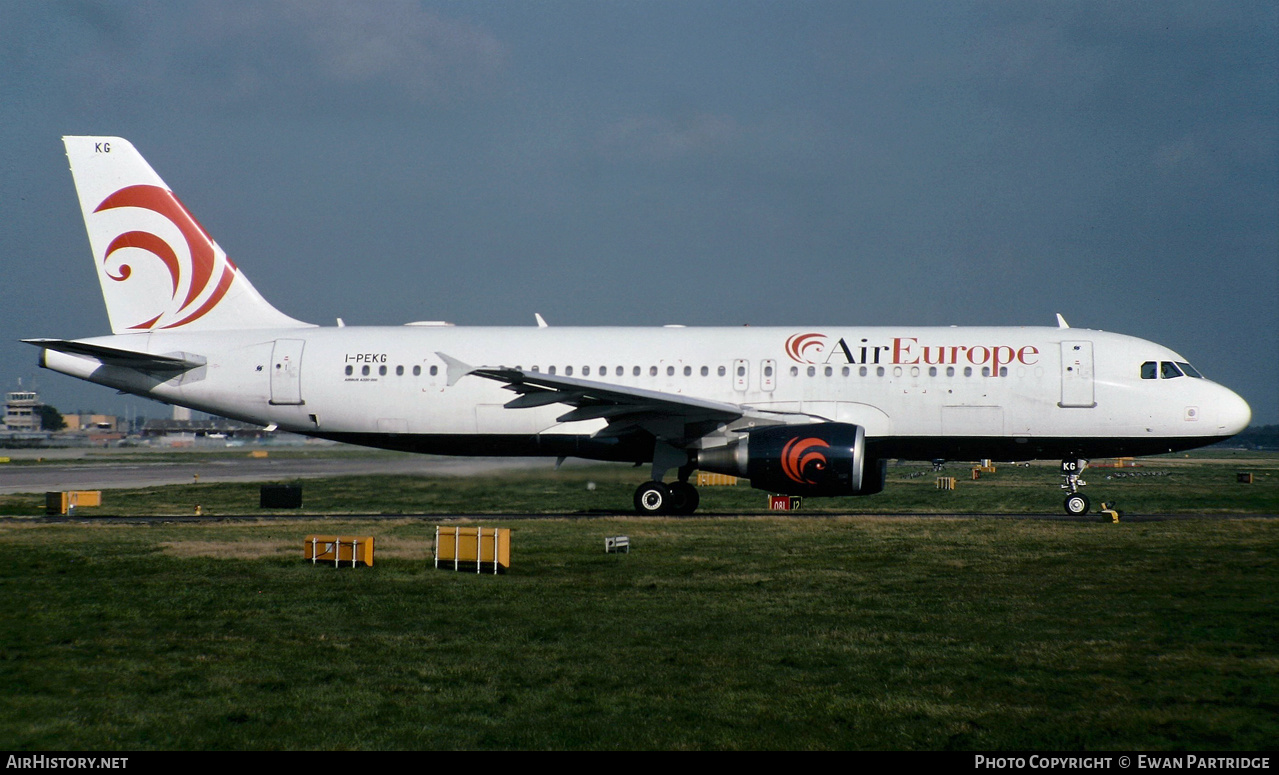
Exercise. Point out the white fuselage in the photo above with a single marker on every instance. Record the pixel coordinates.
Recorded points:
(1008, 393)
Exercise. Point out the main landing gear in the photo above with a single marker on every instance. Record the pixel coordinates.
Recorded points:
(1077, 504)
(654, 498)
(679, 497)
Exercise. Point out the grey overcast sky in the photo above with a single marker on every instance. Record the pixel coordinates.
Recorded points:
(710, 163)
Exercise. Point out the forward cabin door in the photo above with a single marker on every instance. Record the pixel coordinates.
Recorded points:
(286, 372)
(1077, 375)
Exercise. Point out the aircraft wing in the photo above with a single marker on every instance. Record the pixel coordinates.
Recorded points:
(673, 417)
(114, 356)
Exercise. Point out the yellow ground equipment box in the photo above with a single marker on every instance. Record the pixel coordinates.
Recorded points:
(945, 482)
(705, 479)
(478, 547)
(339, 549)
(67, 502)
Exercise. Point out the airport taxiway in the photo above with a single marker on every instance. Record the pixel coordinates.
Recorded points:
(80, 469)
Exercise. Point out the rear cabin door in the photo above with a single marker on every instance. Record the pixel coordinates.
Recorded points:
(1077, 375)
(286, 372)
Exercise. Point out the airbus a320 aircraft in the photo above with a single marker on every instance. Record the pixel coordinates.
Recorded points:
(810, 410)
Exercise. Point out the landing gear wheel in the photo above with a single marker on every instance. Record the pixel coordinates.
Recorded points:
(1077, 504)
(652, 498)
(684, 498)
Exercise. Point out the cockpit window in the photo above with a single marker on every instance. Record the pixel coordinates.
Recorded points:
(1150, 370)
(1189, 370)
(1169, 370)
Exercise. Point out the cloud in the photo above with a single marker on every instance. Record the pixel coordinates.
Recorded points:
(663, 138)
(385, 44)
(288, 54)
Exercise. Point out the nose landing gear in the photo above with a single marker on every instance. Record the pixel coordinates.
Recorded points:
(1077, 504)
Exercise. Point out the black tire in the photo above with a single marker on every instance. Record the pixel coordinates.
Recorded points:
(1077, 504)
(684, 498)
(652, 498)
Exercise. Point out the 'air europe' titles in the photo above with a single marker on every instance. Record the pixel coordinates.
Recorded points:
(905, 351)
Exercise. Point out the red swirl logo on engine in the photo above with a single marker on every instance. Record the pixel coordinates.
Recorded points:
(798, 345)
(799, 453)
(198, 266)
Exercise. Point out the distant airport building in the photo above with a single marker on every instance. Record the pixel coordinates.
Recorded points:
(101, 423)
(181, 433)
(22, 411)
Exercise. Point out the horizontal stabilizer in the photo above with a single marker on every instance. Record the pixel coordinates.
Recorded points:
(114, 356)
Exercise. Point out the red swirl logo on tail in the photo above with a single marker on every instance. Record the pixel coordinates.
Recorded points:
(199, 269)
(799, 453)
(798, 345)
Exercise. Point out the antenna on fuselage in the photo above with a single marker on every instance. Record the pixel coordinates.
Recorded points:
(1061, 321)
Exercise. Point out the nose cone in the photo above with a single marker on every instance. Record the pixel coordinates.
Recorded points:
(1233, 413)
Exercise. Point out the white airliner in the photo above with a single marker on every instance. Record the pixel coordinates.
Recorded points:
(810, 410)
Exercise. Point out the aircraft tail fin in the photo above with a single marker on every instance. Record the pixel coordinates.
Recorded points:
(159, 269)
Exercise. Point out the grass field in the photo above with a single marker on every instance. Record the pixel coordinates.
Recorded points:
(1169, 485)
(733, 632)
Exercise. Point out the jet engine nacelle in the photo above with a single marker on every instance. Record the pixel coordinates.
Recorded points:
(823, 459)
